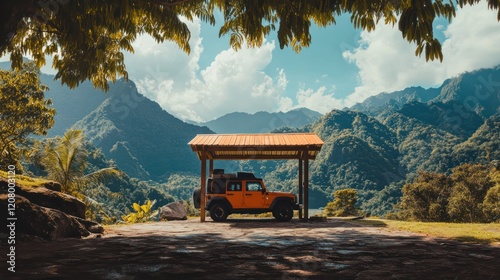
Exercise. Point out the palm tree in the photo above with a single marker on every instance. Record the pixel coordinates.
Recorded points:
(65, 160)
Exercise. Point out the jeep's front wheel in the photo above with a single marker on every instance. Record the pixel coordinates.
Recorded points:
(283, 212)
(219, 212)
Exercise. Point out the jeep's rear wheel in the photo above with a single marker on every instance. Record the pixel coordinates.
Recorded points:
(219, 212)
(283, 212)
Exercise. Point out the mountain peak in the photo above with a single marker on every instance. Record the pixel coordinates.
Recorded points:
(238, 122)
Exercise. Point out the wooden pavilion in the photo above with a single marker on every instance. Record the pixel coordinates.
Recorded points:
(270, 146)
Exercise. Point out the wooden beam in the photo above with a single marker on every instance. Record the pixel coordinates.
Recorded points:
(254, 157)
(210, 167)
(203, 185)
(306, 189)
(301, 203)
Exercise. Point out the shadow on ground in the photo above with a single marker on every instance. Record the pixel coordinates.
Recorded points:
(254, 249)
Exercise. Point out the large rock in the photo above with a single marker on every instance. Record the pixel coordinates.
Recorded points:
(49, 198)
(173, 211)
(44, 222)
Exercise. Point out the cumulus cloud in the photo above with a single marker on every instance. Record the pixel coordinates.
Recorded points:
(387, 62)
(234, 81)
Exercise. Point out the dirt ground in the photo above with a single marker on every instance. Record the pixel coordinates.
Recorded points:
(254, 249)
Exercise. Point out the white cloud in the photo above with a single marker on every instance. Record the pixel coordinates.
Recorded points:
(387, 62)
(321, 100)
(234, 81)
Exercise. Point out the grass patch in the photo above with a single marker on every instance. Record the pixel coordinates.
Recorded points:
(25, 180)
(465, 232)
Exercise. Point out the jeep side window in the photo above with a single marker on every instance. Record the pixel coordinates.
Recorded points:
(234, 186)
(254, 186)
(216, 186)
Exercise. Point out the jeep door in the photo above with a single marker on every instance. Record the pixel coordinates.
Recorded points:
(254, 197)
(234, 194)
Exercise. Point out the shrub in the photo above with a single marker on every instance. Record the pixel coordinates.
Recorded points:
(343, 204)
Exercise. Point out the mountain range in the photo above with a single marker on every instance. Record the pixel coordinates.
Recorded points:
(476, 91)
(375, 146)
(379, 145)
(143, 139)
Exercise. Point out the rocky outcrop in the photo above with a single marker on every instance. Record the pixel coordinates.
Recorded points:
(49, 198)
(173, 211)
(43, 222)
(46, 213)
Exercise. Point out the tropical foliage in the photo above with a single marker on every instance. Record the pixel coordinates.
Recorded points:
(143, 213)
(24, 111)
(106, 191)
(88, 37)
(65, 160)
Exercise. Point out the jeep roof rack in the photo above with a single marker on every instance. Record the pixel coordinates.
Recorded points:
(246, 175)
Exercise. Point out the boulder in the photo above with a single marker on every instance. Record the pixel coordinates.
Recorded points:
(173, 211)
(47, 223)
(49, 198)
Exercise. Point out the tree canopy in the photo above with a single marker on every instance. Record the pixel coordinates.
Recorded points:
(23, 110)
(88, 37)
(470, 194)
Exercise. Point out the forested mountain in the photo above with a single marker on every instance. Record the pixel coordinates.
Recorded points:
(260, 122)
(374, 147)
(379, 149)
(144, 140)
(477, 91)
(375, 104)
(377, 156)
(71, 104)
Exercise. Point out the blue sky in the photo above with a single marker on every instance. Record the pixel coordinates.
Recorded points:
(341, 67)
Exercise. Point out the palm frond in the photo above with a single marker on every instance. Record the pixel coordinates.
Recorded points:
(101, 175)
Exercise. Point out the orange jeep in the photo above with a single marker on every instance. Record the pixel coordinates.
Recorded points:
(245, 194)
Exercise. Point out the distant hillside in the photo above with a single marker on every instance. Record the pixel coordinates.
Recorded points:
(71, 104)
(377, 155)
(144, 140)
(262, 121)
(396, 99)
(478, 91)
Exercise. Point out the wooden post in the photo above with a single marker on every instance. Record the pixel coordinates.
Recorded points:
(210, 167)
(301, 200)
(306, 187)
(203, 184)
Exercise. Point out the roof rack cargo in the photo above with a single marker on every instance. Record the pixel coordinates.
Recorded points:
(230, 175)
(245, 175)
(218, 171)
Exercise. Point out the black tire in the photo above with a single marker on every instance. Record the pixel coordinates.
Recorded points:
(197, 198)
(283, 212)
(219, 212)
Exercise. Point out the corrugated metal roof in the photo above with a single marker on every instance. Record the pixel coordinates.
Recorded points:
(267, 139)
(257, 146)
